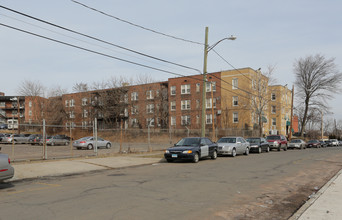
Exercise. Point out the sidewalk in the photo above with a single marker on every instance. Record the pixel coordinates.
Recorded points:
(325, 204)
(34, 169)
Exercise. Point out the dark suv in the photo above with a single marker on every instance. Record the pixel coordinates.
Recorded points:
(277, 142)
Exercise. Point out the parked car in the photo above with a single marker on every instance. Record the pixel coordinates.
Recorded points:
(6, 139)
(89, 143)
(313, 143)
(277, 142)
(192, 148)
(323, 144)
(3, 126)
(297, 143)
(233, 146)
(258, 145)
(340, 143)
(328, 142)
(34, 139)
(1, 136)
(20, 138)
(334, 142)
(57, 140)
(6, 170)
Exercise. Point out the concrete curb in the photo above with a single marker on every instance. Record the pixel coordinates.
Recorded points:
(313, 198)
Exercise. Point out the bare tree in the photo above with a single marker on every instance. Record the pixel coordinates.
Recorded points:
(259, 96)
(31, 88)
(317, 79)
(80, 87)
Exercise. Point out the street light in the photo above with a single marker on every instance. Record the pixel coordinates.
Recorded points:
(207, 48)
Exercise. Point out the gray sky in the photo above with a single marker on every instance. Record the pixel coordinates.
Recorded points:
(268, 33)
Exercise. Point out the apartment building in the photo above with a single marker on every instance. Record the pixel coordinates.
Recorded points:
(185, 101)
(279, 110)
(12, 109)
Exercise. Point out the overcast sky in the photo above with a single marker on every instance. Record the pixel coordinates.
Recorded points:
(268, 33)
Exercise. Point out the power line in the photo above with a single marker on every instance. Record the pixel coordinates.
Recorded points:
(136, 25)
(97, 39)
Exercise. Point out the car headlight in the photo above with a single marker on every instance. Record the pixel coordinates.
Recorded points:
(276, 142)
(187, 152)
(167, 151)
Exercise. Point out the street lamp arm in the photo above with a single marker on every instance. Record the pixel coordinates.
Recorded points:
(214, 45)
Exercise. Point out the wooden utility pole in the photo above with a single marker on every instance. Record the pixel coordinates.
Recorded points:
(291, 125)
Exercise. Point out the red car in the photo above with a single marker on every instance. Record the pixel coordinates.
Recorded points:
(277, 142)
(313, 143)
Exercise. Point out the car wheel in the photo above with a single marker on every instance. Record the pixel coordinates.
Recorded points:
(78, 148)
(169, 160)
(108, 145)
(259, 150)
(285, 148)
(233, 152)
(90, 146)
(196, 158)
(214, 156)
(268, 149)
(247, 151)
(66, 143)
(279, 148)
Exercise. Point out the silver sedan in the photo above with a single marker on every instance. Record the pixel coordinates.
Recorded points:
(6, 170)
(89, 143)
(233, 146)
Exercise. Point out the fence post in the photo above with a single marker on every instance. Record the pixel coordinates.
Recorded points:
(95, 129)
(45, 156)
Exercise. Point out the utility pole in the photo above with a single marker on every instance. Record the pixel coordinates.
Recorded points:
(321, 124)
(212, 111)
(204, 82)
(291, 125)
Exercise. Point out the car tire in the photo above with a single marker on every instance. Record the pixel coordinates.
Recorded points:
(78, 148)
(285, 148)
(108, 145)
(196, 158)
(90, 146)
(214, 156)
(233, 152)
(169, 160)
(259, 150)
(268, 149)
(279, 148)
(247, 151)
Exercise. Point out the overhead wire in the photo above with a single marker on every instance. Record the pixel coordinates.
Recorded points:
(97, 39)
(136, 25)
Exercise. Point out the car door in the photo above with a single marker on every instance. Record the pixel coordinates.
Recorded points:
(244, 145)
(204, 148)
(239, 146)
(100, 142)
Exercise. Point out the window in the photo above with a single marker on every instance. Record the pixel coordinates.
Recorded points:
(150, 108)
(235, 117)
(84, 101)
(274, 121)
(84, 124)
(209, 85)
(185, 104)
(209, 119)
(208, 103)
(134, 96)
(273, 109)
(197, 104)
(126, 112)
(134, 122)
(173, 105)
(235, 83)
(30, 113)
(66, 103)
(2, 104)
(85, 113)
(134, 110)
(185, 120)
(71, 114)
(149, 94)
(235, 101)
(72, 103)
(173, 90)
(150, 122)
(173, 120)
(185, 89)
(273, 96)
(124, 98)
(30, 103)
(198, 87)
(197, 119)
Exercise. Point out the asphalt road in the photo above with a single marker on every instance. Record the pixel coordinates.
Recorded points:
(259, 186)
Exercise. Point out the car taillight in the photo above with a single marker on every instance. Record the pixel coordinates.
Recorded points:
(82, 142)
(9, 161)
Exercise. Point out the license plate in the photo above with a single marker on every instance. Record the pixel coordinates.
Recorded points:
(174, 155)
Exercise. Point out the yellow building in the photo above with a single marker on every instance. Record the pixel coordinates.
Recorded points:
(279, 110)
(243, 93)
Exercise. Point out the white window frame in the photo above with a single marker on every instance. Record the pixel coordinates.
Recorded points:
(208, 85)
(149, 94)
(66, 103)
(150, 108)
(235, 101)
(274, 121)
(198, 87)
(185, 120)
(185, 89)
(173, 106)
(273, 97)
(173, 90)
(235, 117)
(273, 109)
(208, 103)
(185, 105)
(84, 101)
(134, 110)
(173, 120)
(209, 119)
(85, 113)
(72, 102)
(150, 122)
(134, 96)
(235, 83)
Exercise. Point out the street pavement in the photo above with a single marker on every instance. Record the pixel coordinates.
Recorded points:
(325, 204)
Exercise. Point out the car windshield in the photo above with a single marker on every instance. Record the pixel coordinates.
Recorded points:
(253, 140)
(272, 138)
(85, 138)
(189, 142)
(295, 141)
(227, 140)
(313, 141)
